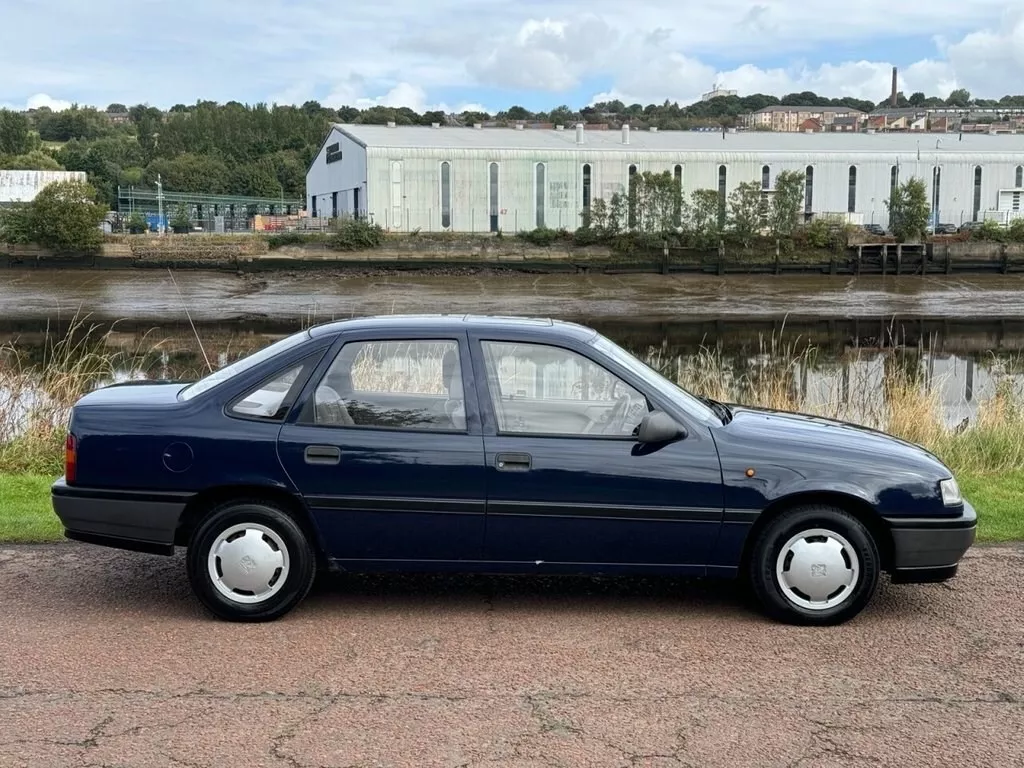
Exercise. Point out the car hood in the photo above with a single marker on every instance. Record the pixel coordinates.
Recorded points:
(831, 437)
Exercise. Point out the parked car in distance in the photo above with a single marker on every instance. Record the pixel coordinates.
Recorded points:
(875, 229)
(495, 445)
(946, 229)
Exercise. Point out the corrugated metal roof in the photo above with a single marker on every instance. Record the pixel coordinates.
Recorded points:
(425, 137)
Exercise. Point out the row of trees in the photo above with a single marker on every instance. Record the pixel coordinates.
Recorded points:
(230, 149)
(264, 151)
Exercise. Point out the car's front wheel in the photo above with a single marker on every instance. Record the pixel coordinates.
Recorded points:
(250, 561)
(816, 564)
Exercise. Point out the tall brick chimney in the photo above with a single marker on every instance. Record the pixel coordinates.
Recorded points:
(895, 89)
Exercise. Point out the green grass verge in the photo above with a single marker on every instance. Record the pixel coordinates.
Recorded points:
(27, 517)
(999, 500)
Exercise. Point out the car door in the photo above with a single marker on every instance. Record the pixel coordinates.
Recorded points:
(386, 449)
(568, 484)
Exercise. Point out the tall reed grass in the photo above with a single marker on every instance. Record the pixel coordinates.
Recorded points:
(36, 394)
(887, 390)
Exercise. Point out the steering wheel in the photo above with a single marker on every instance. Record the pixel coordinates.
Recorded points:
(617, 417)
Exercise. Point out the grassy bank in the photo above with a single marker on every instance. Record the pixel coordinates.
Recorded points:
(26, 516)
(890, 391)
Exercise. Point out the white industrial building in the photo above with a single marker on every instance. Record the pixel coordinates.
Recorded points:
(408, 178)
(23, 186)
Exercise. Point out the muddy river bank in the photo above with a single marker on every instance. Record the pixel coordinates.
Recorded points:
(210, 297)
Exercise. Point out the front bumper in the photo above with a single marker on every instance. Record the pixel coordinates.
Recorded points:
(140, 521)
(930, 549)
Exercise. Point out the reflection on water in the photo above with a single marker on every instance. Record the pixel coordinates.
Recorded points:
(835, 367)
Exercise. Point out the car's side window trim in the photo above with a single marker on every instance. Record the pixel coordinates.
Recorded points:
(478, 343)
(303, 413)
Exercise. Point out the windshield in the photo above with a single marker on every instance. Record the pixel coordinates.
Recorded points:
(655, 380)
(239, 366)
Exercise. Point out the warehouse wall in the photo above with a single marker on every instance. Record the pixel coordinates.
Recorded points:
(23, 186)
(404, 185)
(342, 177)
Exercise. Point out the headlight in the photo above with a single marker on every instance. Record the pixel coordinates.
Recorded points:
(950, 493)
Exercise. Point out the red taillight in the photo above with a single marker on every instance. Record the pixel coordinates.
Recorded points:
(70, 458)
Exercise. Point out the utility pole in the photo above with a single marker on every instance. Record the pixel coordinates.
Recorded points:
(159, 205)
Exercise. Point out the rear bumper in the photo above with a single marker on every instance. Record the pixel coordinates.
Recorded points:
(141, 521)
(929, 550)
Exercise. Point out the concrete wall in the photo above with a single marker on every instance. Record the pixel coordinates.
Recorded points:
(23, 186)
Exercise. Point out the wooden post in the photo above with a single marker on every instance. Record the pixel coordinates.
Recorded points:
(899, 259)
(885, 258)
(949, 261)
(721, 257)
(778, 257)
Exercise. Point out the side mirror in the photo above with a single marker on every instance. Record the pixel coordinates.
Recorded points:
(659, 427)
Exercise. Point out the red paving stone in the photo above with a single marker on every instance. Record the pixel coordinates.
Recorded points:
(107, 660)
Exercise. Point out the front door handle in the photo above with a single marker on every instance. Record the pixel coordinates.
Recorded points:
(513, 462)
(323, 454)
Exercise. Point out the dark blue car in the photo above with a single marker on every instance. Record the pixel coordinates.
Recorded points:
(499, 445)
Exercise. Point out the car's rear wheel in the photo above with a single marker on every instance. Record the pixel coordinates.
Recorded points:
(250, 561)
(814, 565)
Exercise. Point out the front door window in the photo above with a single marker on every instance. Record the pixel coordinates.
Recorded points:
(538, 389)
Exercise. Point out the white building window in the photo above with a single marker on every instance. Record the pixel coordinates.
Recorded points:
(851, 203)
(492, 187)
(446, 195)
(541, 183)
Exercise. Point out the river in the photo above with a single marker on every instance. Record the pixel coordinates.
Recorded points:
(964, 333)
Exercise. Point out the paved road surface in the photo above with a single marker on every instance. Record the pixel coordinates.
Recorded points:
(106, 660)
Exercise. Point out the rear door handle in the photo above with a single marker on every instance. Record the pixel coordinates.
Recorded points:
(513, 462)
(323, 454)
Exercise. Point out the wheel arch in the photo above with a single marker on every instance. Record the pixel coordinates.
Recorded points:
(855, 506)
(200, 505)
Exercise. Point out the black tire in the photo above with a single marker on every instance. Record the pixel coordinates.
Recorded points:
(769, 543)
(301, 561)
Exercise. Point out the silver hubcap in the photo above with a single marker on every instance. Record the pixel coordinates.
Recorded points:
(248, 563)
(817, 569)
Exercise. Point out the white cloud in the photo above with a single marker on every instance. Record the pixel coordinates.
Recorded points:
(40, 100)
(409, 53)
(401, 95)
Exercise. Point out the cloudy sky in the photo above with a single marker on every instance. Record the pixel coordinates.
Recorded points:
(451, 54)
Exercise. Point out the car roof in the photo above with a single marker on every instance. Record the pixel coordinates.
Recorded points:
(533, 326)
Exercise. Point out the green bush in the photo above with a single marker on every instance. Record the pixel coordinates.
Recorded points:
(16, 224)
(992, 231)
(64, 217)
(543, 237)
(1015, 232)
(357, 235)
(137, 224)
